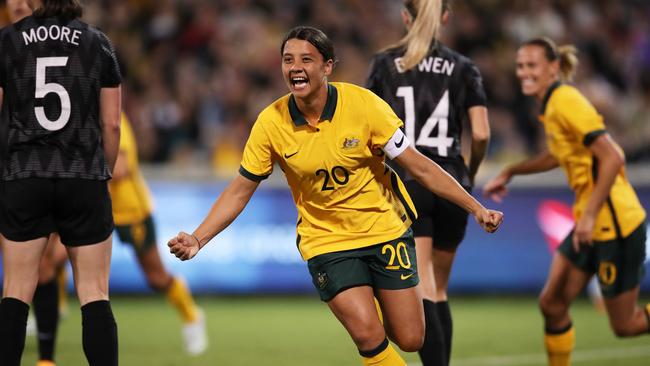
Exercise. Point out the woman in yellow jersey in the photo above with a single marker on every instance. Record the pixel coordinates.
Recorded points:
(132, 213)
(609, 236)
(354, 214)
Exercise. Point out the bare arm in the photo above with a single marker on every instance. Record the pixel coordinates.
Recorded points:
(478, 117)
(435, 179)
(496, 189)
(110, 102)
(225, 210)
(121, 169)
(542, 162)
(610, 160)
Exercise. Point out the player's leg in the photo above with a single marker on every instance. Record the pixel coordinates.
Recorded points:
(20, 265)
(447, 231)
(343, 281)
(142, 237)
(433, 351)
(90, 268)
(395, 279)
(85, 223)
(355, 309)
(565, 281)
(626, 318)
(179, 295)
(404, 327)
(62, 280)
(443, 259)
(157, 275)
(46, 299)
(596, 295)
(25, 222)
(620, 271)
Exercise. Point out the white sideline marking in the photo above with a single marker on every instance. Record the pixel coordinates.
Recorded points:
(540, 359)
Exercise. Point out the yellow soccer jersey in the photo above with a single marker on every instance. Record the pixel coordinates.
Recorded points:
(130, 195)
(347, 198)
(571, 124)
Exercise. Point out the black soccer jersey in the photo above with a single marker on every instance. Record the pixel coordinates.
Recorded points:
(52, 71)
(432, 99)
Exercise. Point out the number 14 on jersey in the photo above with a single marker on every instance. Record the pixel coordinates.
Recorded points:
(439, 117)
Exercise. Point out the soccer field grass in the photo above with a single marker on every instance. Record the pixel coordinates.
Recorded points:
(288, 331)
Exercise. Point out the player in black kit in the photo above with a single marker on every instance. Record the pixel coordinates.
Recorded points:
(60, 93)
(434, 90)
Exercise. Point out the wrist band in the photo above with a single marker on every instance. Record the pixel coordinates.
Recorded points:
(197, 240)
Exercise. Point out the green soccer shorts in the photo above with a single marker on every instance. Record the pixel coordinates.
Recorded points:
(618, 263)
(391, 265)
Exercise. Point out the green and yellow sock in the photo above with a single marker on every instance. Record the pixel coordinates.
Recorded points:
(383, 355)
(559, 345)
(179, 295)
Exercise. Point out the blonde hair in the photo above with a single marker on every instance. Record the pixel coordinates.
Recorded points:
(427, 16)
(568, 61)
(567, 55)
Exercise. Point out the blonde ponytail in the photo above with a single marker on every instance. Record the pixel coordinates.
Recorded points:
(568, 55)
(426, 23)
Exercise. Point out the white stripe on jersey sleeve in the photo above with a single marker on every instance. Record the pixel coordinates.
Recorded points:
(396, 144)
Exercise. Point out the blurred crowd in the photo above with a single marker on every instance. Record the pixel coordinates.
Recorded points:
(199, 71)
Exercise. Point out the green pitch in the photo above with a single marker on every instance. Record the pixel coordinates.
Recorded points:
(301, 331)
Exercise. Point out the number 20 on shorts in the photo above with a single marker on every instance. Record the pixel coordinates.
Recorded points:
(398, 251)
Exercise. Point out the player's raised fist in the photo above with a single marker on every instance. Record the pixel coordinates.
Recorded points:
(184, 246)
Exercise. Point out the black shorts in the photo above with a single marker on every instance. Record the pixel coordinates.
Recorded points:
(78, 209)
(438, 218)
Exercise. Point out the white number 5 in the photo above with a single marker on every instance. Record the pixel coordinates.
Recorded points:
(43, 89)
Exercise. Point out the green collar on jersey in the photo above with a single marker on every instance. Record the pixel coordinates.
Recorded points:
(328, 111)
(550, 91)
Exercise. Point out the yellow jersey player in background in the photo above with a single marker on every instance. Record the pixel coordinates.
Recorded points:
(132, 213)
(609, 237)
(132, 208)
(330, 140)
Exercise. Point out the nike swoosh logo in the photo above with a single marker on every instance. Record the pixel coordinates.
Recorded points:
(404, 277)
(290, 155)
(399, 144)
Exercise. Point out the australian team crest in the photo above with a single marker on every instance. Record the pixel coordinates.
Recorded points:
(350, 143)
(321, 278)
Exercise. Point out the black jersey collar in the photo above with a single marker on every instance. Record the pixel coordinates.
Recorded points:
(328, 111)
(550, 91)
